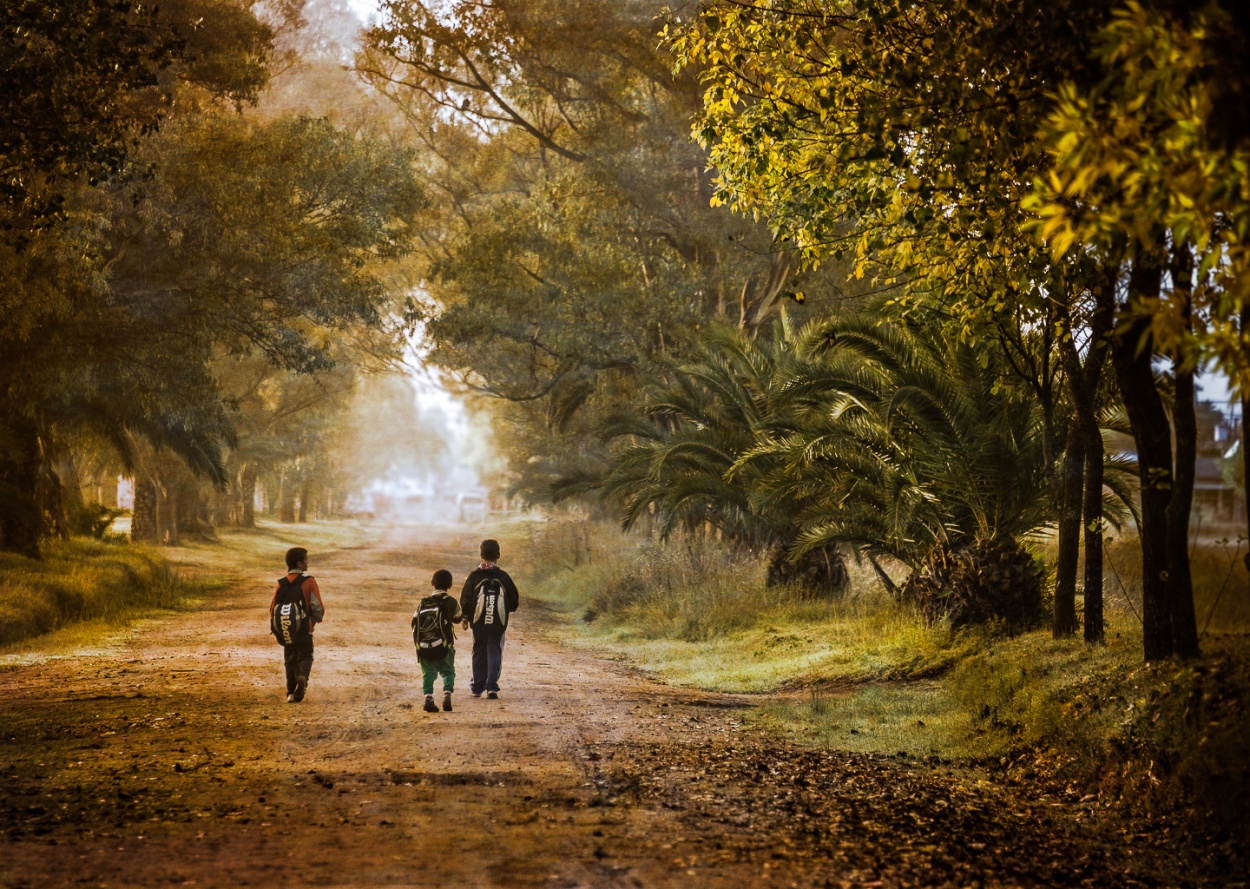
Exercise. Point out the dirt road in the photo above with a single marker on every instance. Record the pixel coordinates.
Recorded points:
(176, 761)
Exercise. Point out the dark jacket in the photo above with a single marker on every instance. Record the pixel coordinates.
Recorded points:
(468, 596)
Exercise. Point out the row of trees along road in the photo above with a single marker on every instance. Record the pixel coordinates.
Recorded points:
(192, 283)
(920, 257)
(1080, 166)
(1001, 229)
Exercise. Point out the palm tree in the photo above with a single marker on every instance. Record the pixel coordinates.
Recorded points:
(694, 429)
(898, 441)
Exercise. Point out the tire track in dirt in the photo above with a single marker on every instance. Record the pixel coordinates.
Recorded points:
(176, 761)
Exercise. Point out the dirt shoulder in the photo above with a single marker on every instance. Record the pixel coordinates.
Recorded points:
(175, 760)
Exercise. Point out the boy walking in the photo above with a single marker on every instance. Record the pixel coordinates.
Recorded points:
(434, 635)
(488, 598)
(298, 588)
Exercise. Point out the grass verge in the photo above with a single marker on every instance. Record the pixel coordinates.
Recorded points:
(84, 581)
(700, 617)
(1165, 742)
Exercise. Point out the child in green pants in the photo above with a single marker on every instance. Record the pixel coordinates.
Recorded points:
(434, 635)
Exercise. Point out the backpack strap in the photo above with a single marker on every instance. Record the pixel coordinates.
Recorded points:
(285, 584)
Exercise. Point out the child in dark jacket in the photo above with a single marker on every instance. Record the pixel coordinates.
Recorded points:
(488, 598)
(435, 638)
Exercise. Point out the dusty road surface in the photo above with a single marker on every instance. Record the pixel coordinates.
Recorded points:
(176, 761)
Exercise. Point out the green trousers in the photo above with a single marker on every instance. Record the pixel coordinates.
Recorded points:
(446, 668)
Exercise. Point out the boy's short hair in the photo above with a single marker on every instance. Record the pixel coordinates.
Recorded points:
(294, 556)
(442, 579)
(490, 550)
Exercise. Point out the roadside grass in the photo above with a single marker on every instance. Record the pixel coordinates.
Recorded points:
(81, 582)
(698, 616)
(84, 591)
(865, 674)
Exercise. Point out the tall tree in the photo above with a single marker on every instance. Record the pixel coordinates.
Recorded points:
(1153, 157)
(573, 246)
(906, 134)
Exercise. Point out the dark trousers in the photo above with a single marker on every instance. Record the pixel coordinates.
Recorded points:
(298, 657)
(487, 660)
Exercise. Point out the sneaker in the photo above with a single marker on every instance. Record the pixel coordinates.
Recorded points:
(446, 703)
(290, 697)
(475, 694)
(301, 685)
(430, 706)
(492, 696)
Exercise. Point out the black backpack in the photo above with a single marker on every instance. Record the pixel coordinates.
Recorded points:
(289, 622)
(491, 609)
(431, 629)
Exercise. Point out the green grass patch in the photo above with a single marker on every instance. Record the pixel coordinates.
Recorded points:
(915, 719)
(260, 551)
(862, 673)
(86, 581)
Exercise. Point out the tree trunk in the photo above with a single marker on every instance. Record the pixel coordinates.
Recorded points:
(1095, 633)
(303, 503)
(248, 485)
(1132, 353)
(286, 501)
(1084, 380)
(1064, 623)
(1185, 421)
(167, 514)
(21, 520)
(143, 525)
(67, 504)
(1245, 428)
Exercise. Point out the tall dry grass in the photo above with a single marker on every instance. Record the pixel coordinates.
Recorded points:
(82, 580)
(700, 614)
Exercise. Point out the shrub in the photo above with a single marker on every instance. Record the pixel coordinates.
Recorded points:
(991, 580)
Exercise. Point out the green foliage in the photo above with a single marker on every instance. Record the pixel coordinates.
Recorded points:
(906, 441)
(247, 237)
(882, 437)
(1144, 148)
(570, 254)
(81, 83)
(898, 133)
(678, 460)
